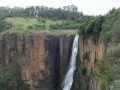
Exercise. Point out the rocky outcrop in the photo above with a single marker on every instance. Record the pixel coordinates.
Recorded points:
(95, 51)
(40, 60)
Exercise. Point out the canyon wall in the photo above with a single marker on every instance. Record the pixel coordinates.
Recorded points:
(40, 60)
(93, 51)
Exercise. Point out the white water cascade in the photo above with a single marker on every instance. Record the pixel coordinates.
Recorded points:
(67, 83)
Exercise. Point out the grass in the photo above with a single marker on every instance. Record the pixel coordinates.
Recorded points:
(45, 32)
(29, 21)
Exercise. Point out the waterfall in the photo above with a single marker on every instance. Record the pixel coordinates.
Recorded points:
(67, 83)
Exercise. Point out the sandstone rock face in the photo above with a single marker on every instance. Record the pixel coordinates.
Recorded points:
(95, 50)
(40, 60)
(43, 60)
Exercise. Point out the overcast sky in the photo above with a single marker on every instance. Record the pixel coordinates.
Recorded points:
(90, 7)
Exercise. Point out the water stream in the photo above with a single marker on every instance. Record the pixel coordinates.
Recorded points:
(67, 83)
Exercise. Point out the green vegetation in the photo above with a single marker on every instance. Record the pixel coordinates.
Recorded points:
(65, 25)
(46, 61)
(108, 68)
(4, 25)
(110, 28)
(9, 79)
(86, 56)
(43, 18)
(29, 27)
(107, 27)
(43, 73)
(93, 26)
(42, 81)
(69, 12)
(58, 21)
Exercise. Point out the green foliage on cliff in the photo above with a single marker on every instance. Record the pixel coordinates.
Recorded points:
(86, 56)
(4, 25)
(42, 81)
(93, 26)
(111, 27)
(46, 61)
(108, 68)
(9, 80)
(107, 27)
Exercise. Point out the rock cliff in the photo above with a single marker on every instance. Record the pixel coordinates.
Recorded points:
(40, 60)
(90, 51)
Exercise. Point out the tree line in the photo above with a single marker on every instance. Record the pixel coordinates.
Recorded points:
(69, 12)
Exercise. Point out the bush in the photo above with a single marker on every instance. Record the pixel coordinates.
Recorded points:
(46, 61)
(30, 27)
(19, 26)
(55, 19)
(108, 67)
(7, 27)
(4, 25)
(65, 25)
(9, 79)
(86, 56)
(43, 27)
(103, 85)
(41, 20)
(54, 26)
(91, 27)
(2, 17)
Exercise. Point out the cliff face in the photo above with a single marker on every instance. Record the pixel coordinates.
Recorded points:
(94, 51)
(40, 60)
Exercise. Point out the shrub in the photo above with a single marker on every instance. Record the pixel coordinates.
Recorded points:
(54, 26)
(86, 56)
(43, 73)
(91, 27)
(108, 67)
(19, 26)
(2, 17)
(46, 61)
(29, 27)
(4, 25)
(7, 27)
(43, 27)
(82, 70)
(9, 79)
(41, 20)
(103, 85)
(55, 19)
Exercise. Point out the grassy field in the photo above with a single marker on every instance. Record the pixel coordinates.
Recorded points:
(25, 22)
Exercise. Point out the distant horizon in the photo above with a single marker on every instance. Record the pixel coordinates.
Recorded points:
(88, 7)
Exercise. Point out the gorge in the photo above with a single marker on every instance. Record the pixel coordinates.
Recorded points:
(42, 60)
(39, 49)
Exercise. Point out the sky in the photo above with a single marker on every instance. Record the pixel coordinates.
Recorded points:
(88, 7)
